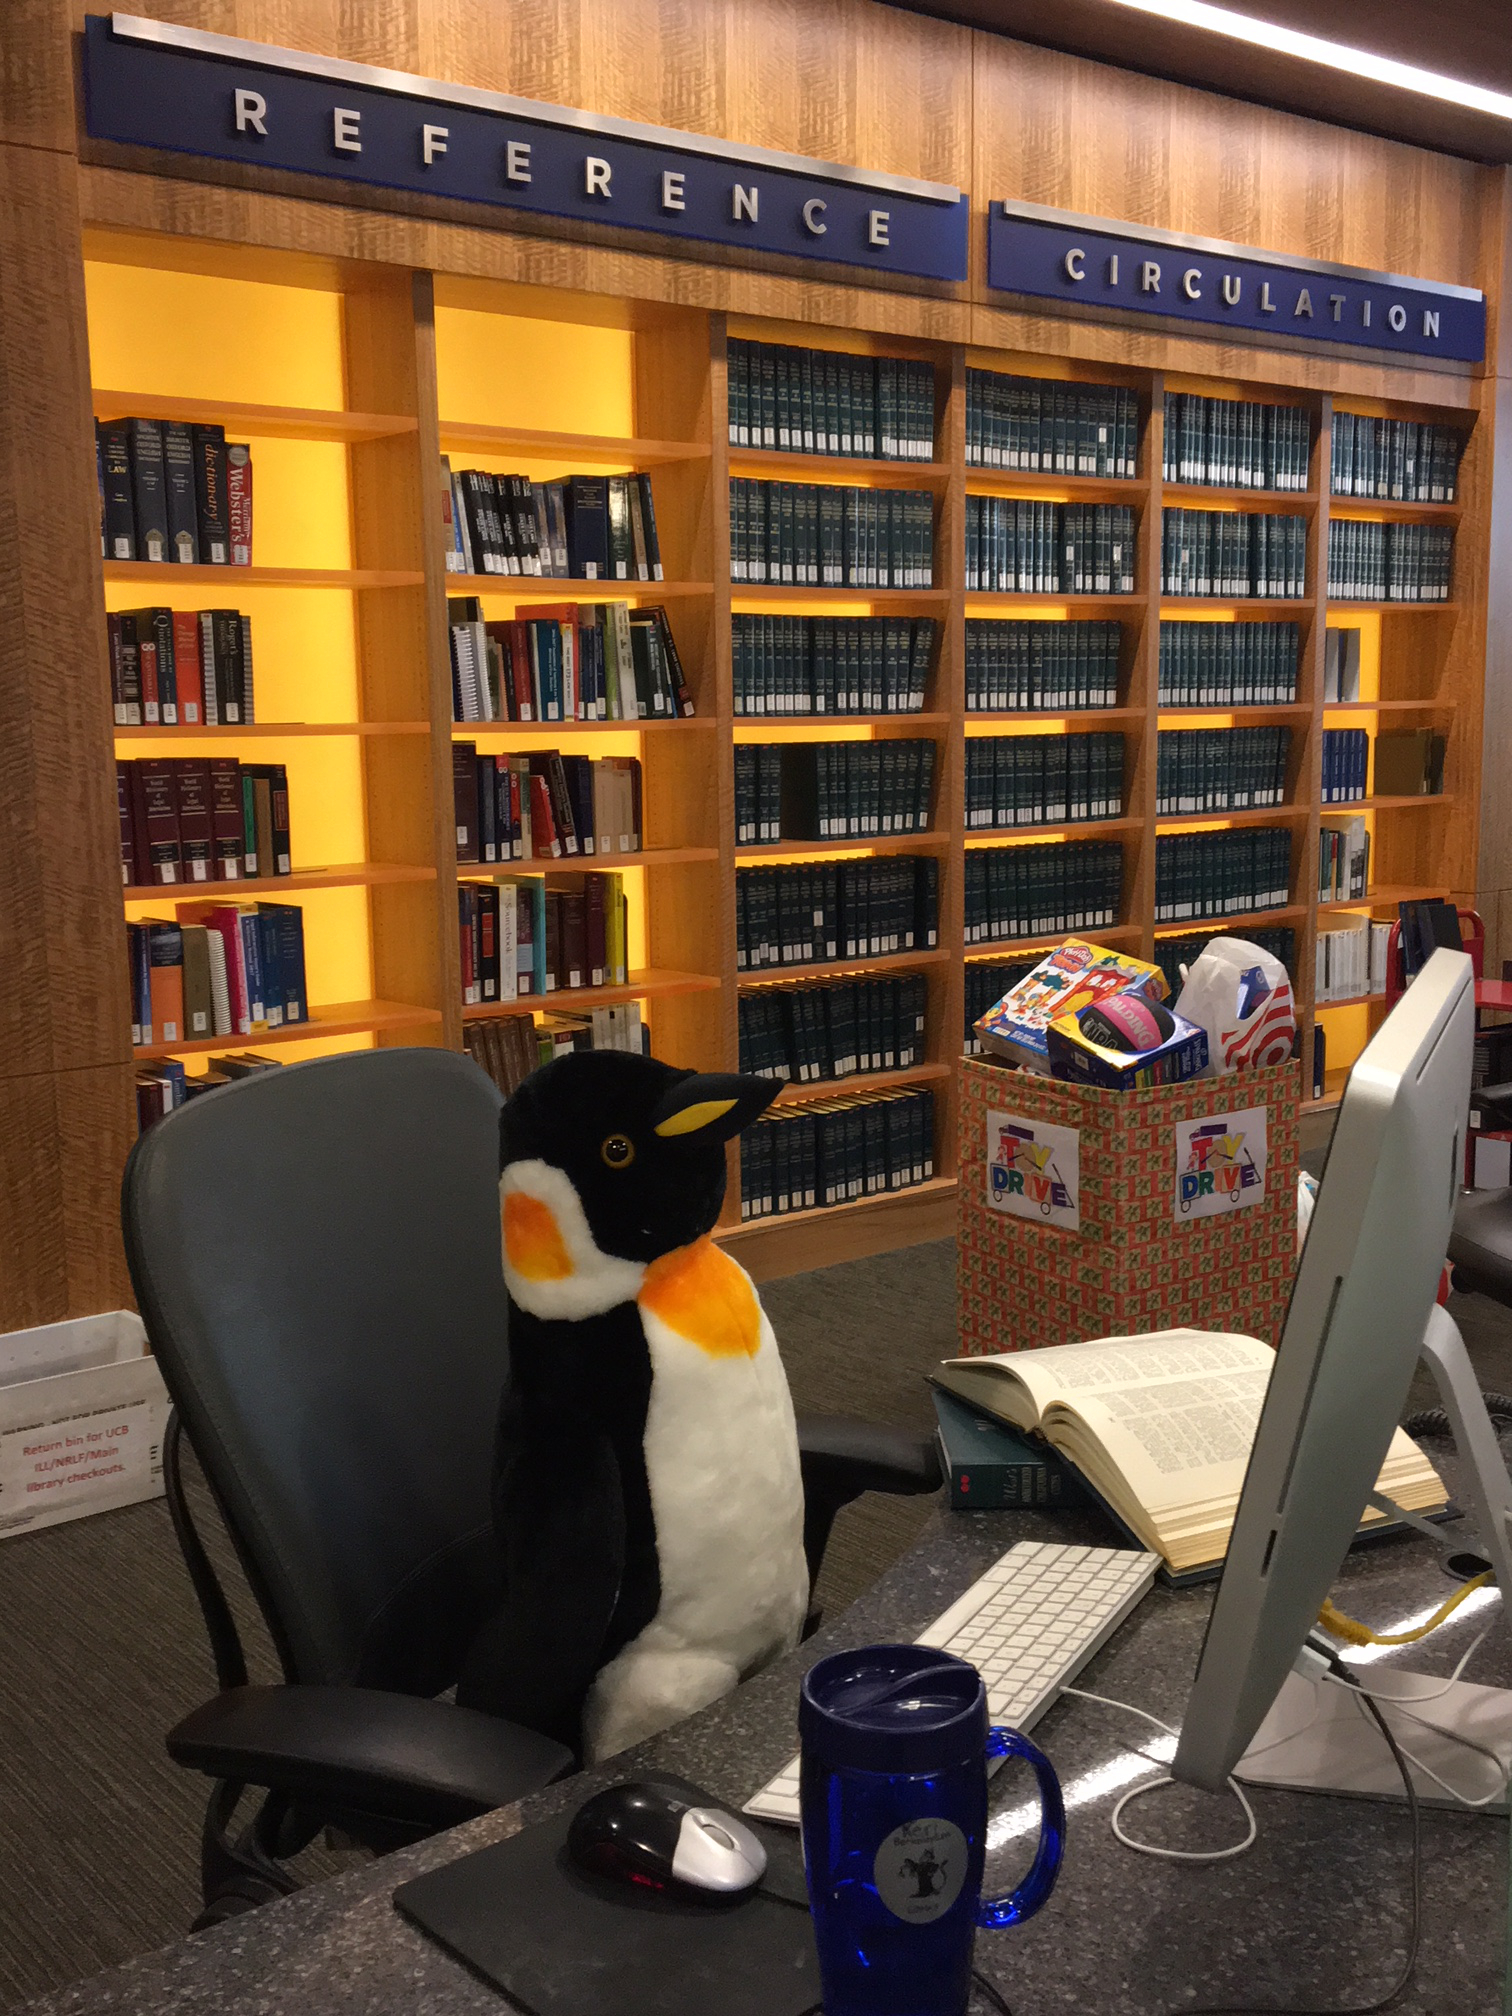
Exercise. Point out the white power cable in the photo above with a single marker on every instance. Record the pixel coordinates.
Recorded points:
(1158, 1784)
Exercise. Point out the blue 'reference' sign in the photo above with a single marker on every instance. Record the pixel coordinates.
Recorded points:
(1103, 267)
(150, 84)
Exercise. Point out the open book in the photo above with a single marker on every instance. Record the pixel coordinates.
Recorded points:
(1161, 1427)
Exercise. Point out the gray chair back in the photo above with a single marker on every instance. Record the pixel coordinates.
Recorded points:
(315, 1252)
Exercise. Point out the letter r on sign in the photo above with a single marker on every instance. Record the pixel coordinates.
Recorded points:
(252, 113)
(595, 176)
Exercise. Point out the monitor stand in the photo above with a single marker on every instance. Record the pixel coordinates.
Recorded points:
(1317, 1738)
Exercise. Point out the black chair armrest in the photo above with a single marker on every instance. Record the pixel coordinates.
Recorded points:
(866, 1456)
(841, 1458)
(1497, 1097)
(360, 1750)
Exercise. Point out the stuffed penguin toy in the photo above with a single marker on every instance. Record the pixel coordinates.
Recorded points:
(648, 1505)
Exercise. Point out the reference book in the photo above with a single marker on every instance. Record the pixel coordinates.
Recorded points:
(1161, 1428)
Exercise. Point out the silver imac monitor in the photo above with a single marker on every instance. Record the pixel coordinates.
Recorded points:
(1362, 1298)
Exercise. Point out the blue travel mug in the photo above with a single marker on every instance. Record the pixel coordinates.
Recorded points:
(893, 1798)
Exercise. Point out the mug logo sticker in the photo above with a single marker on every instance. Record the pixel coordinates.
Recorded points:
(920, 1870)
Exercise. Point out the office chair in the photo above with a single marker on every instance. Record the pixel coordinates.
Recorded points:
(315, 1253)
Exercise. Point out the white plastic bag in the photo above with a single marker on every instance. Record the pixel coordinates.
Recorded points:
(1242, 997)
(1307, 1196)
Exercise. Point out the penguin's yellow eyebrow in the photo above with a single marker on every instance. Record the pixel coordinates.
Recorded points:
(692, 1118)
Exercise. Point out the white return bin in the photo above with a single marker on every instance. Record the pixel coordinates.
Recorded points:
(82, 1414)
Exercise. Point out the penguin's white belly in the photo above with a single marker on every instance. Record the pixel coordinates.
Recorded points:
(722, 1466)
(721, 1452)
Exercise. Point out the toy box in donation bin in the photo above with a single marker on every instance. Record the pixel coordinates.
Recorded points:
(1091, 1213)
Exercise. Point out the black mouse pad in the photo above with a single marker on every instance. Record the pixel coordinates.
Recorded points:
(560, 1943)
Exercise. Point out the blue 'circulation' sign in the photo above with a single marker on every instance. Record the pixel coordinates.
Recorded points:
(149, 84)
(1103, 266)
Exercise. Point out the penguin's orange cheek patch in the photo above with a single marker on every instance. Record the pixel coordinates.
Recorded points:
(533, 1243)
(701, 1294)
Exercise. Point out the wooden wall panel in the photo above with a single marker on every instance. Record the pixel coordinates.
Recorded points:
(1083, 136)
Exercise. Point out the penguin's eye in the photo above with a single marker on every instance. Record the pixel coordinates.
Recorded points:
(618, 1151)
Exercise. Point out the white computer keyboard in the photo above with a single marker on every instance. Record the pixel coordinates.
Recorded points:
(1028, 1626)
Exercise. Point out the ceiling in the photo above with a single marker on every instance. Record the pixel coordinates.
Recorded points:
(1467, 39)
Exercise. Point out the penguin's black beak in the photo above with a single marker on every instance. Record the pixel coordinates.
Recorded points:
(711, 1106)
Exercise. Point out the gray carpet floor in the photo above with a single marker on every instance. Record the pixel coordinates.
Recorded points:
(104, 1650)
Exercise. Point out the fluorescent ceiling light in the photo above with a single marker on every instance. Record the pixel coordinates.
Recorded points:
(1336, 55)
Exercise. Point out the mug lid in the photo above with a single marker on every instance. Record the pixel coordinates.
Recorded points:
(894, 1708)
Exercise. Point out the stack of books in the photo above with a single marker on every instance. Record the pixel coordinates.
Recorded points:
(172, 491)
(544, 806)
(1235, 442)
(1343, 861)
(510, 1047)
(165, 1085)
(565, 661)
(1409, 763)
(987, 981)
(522, 937)
(831, 664)
(840, 1029)
(201, 819)
(1368, 562)
(1346, 764)
(180, 668)
(1035, 892)
(1219, 769)
(1222, 874)
(1408, 461)
(1232, 556)
(836, 1151)
(1015, 546)
(585, 528)
(828, 402)
(1040, 666)
(1049, 426)
(1172, 953)
(1351, 957)
(1042, 780)
(829, 911)
(832, 790)
(216, 969)
(819, 536)
(1228, 664)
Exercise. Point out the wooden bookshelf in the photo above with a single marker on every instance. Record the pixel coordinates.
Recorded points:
(341, 1018)
(670, 421)
(260, 423)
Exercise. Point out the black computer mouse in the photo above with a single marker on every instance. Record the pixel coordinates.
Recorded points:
(645, 1835)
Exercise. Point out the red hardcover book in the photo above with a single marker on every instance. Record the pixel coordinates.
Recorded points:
(521, 682)
(597, 930)
(160, 809)
(465, 798)
(488, 943)
(227, 819)
(128, 827)
(239, 502)
(147, 672)
(195, 824)
(543, 833)
(187, 674)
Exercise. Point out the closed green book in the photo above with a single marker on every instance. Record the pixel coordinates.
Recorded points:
(990, 1467)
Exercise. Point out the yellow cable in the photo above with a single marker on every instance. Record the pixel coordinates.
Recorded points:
(1355, 1633)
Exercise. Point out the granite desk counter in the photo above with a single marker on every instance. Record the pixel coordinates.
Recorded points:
(1315, 1915)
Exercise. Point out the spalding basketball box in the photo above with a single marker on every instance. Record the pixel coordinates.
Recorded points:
(1092, 1213)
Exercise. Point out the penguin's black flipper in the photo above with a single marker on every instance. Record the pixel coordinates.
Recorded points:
(560, 1517)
